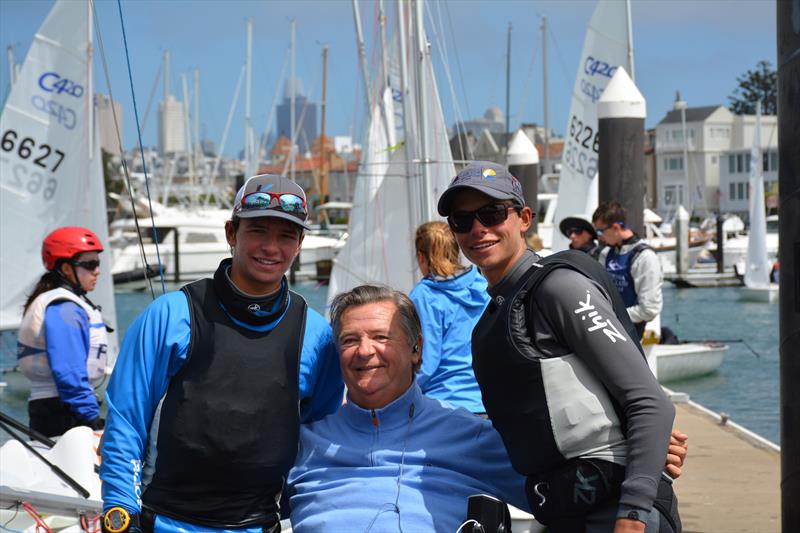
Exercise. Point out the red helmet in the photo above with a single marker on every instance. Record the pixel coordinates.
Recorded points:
(65, 243)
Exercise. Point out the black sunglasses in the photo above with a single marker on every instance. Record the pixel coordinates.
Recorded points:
(88, 265)
(576, 231)
(488, 215)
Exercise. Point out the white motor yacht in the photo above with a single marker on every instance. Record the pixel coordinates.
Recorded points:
(190, 243)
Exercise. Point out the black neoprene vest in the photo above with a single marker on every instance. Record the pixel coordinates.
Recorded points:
(507, 363)
(230, 421)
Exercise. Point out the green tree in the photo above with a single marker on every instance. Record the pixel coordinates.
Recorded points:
(760, 84)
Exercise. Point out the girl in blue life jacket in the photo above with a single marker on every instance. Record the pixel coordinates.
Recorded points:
(62, 342)
(450, 299)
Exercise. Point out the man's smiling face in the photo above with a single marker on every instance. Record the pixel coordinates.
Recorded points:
(493, 249)
(377, 358)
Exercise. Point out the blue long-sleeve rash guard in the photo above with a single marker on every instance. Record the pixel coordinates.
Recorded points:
(66, 327)
(153, 351)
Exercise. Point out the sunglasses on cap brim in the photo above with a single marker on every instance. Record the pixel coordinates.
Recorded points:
(285, 201)
(488, 215)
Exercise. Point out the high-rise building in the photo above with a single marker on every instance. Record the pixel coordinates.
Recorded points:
(171, 131)
(106, 109)
(305, 116)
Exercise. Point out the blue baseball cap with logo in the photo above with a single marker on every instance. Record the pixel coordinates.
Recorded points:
(486, 177)
(270, 195)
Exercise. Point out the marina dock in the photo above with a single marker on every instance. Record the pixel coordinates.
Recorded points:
(731, 479)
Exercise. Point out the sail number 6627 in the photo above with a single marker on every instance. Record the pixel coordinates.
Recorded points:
(25, 150)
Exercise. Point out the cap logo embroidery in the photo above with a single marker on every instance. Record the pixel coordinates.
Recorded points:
(489, 174)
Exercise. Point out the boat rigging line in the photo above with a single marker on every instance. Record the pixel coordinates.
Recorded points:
(104, 62)
(144, 163)
(726, 341)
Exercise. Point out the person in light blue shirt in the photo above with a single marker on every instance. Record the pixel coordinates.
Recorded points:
(392, 459)
(213, 381)
(450, 299)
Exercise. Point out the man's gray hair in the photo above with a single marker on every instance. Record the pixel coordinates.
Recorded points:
(367, 294)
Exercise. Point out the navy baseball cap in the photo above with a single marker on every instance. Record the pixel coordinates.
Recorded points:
(486, 177)
(270, 195)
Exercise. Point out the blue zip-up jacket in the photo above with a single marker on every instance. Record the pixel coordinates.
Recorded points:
(449, 309)
(409, 466)
(67, 335)
(153, 351)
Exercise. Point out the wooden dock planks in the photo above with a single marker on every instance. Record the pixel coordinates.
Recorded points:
(731, 481)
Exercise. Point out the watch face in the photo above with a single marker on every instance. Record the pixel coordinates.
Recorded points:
(116, 520)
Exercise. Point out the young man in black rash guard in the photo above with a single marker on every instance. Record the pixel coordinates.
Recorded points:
(579, 412)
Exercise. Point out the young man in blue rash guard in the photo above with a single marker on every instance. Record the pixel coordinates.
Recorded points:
(631, 263)
(561, 378)
(213, 381)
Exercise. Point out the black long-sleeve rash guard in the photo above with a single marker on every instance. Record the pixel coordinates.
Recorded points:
(573, 315)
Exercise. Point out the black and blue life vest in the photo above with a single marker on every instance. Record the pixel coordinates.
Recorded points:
(230, 421)
(619, 268)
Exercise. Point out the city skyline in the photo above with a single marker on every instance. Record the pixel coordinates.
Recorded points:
(698, 49)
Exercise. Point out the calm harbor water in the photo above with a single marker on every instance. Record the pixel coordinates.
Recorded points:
(745, 387)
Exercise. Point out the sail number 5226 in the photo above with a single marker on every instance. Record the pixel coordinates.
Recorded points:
(26, 147)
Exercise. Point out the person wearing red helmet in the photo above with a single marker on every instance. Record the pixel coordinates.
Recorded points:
(62, 341)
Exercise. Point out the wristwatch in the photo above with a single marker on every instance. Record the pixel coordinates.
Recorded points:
(116, 520)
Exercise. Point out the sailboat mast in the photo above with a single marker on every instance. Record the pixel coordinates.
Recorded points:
(508, 90)
(546, 158)
(407, 111)
(362, 56)
(323, 170)
(385, 71)
(292, 85)
(248, 126)
(630, 41)
(422, 107)
(196, 149)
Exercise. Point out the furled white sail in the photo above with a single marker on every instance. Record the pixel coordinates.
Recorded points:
(758, 268)
(605, 47)
(389, 191)
(50, 166)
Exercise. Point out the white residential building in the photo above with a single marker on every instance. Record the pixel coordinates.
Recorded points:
(734, 174)
(712, 133)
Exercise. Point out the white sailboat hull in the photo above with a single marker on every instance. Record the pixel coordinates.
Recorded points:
(26, 477)
(768, 294)
(687, 360)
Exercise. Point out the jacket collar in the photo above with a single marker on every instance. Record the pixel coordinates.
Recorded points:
(396, 414)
